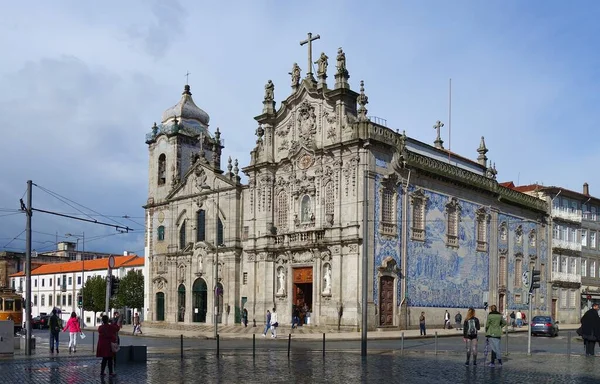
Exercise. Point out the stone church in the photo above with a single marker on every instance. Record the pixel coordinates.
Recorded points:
(327, 186)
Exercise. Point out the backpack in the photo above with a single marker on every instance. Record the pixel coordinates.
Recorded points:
(472, 329)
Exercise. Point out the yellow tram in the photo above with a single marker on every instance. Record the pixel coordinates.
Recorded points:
(11, 307)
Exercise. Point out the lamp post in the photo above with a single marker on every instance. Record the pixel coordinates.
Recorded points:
(77, 237)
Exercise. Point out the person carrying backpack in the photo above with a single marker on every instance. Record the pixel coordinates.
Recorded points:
(458, 320)
(470, 328)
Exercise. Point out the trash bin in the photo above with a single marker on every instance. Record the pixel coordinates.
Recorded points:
(139, 353)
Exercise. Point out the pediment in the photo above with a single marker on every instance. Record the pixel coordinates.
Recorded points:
(200, 178)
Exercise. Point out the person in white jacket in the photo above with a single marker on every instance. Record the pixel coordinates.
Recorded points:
(274, 324)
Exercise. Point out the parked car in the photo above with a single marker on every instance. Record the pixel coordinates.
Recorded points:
(544, 325)
(40, 322)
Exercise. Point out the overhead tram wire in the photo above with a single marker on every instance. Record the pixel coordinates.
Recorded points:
(14, 238)
(62, 198)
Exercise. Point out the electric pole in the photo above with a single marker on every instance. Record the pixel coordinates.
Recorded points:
(28, 306)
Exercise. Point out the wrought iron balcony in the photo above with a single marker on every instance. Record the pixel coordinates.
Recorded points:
(63, 288)
(567, 214)
(565, 277)
(563, 244)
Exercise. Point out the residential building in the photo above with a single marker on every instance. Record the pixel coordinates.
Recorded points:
(575, 279)
(57, 285)
(329, 186)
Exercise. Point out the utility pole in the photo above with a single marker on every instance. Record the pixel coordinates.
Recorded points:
(365, 262)
(111, 265)
(217, 267)
(29, 213)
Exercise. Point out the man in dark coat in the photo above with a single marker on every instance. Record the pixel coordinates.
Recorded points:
(590, 329)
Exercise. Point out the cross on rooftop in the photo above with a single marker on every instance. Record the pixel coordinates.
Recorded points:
(309, 41)
(187, 78)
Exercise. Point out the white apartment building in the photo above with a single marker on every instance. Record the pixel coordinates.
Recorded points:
(57, 285)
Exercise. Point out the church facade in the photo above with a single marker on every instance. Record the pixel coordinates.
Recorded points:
(328, 186)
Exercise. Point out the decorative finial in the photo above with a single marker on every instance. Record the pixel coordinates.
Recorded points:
(439, 143)
(218, 136)
(362, 100)
(482, 150)
(229, 166)
(154, 129)
(236, 169)
(186, 90)
(175, 125)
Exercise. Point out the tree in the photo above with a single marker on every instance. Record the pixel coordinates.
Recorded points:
(131, 290)
(94, 295)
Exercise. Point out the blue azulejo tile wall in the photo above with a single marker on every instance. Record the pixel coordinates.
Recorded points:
(386, 246)
(442, 276)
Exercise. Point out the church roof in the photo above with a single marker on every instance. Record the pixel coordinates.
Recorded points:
(186, 109)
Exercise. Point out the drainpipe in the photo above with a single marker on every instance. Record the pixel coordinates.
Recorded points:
(405, 245)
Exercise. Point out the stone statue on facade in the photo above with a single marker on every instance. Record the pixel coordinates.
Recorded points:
(281, 277)
(327, 279)
(269, 91)
(322, 65)
(341, 62)
(295, 75)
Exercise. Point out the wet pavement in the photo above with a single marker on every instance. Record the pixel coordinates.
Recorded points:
(309, 367)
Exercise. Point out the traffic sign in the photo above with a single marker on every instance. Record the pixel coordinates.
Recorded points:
(111, 262)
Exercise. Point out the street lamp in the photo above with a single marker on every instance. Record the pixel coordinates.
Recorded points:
(77, 237)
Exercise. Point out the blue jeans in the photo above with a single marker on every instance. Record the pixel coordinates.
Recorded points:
(267, 327)
(422, 329)
(53, 341)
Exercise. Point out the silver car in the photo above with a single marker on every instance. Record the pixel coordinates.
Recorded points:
(544, 325)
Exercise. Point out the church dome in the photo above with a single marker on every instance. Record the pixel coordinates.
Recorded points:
(186, 109)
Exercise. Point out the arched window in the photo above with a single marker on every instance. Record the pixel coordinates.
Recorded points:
(182, 240)
(162, 169)
(161, 233)
(306, 212)
(201, 225)
(282, 210)
(219, 232)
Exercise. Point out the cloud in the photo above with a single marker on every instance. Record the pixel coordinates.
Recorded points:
(165, 25)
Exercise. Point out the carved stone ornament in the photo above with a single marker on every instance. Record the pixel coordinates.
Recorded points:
(326, 256)
(181, 273)
(304, 185)
(353, 248)
(284, 129)
(307, 126)
(303, 257)
(160, 282)
(389, 266)
(200, 177)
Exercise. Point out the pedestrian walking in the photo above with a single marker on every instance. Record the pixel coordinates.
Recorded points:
(74, 329)
(137, 324)
(493, 332)
(267, 323)
(274, 324)
(107, 345)
(513, 320)
(245, 317)
(422, 329)
(458, 321)
(470, 328)
(519, 319)
(54, 326)
(446, 320)
(590, 329)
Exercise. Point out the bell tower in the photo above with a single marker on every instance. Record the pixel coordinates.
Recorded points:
(176, 143)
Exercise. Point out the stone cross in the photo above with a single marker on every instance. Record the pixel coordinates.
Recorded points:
(187, 78)
(438, 141)
(309, 41)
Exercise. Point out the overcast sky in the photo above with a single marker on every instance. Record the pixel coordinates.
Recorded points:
(82, 83)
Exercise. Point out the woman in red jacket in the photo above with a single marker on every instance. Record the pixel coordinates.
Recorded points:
(107, 334)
